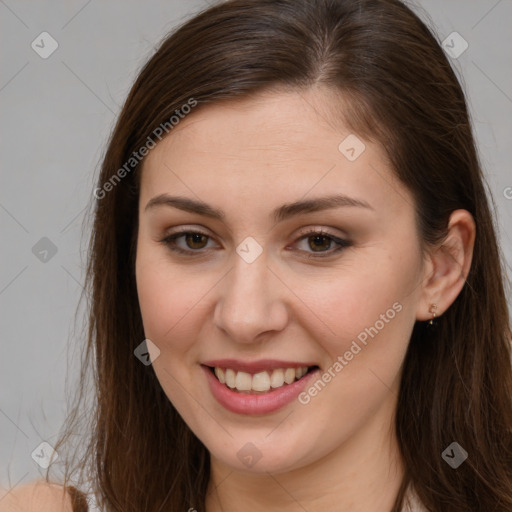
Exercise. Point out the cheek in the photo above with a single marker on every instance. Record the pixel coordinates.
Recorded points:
(371, 302)
(166, 297)
(169, 301)
(370, 316)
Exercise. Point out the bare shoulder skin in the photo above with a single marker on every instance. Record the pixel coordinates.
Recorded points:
(37, 496)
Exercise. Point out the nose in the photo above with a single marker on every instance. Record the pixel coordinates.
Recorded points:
(252, 302)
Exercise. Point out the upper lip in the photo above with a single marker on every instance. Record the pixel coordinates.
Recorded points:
(255, 366)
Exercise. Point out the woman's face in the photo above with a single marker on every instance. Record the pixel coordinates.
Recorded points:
(269, 241)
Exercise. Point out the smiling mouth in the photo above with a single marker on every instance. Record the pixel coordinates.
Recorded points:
(261, 382)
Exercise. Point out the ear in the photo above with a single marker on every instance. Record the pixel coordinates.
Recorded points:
(447, 266)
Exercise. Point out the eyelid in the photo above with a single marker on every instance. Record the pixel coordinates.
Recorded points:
(321, 230)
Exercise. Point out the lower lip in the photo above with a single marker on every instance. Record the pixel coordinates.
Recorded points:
(243, 403)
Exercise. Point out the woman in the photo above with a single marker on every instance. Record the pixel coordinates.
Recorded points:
(297, 299)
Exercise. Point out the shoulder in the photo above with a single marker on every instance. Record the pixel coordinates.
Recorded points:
(37, 496)
(411, 502)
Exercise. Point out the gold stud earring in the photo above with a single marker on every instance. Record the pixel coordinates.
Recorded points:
(432, 310)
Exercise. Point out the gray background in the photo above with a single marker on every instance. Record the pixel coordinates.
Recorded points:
(56, 115)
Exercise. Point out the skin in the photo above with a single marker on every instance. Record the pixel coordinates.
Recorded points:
(248, 157)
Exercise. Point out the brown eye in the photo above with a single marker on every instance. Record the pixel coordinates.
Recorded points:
(191, 243)
(319, 243)
(196, 240)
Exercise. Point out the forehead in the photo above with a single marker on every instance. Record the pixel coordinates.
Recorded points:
(268, 125)
(284, 144)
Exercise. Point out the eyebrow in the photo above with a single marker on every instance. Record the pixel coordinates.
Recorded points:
(280, 214)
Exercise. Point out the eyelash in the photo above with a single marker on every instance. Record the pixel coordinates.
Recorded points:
(170, 242)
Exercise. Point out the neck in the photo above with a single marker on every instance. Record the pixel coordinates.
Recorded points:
(362, 474)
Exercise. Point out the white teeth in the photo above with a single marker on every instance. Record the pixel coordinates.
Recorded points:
(219, 372)
(289, 375)
(230, 378)
(260, 382)
(277, 378)
(243, 381)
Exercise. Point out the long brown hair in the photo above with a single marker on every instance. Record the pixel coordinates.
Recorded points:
(400, 91)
